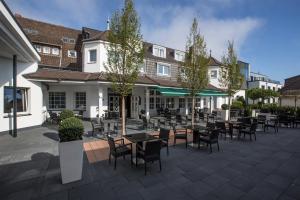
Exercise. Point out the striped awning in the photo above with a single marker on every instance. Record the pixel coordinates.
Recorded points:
(165, 91)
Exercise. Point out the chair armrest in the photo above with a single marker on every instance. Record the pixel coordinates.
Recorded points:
(118, 140)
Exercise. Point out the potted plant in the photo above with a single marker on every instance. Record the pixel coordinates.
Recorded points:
(70, 149)
(225, 112)
(65, 114)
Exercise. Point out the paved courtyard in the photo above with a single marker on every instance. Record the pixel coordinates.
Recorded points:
(268, 168)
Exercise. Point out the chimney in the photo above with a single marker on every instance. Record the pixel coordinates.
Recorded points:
(107, 24)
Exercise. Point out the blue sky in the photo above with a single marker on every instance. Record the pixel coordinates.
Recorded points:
(266, 32)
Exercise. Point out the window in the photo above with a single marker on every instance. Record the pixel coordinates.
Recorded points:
(159, 51)
(72, 53)
(181, 103)
(163, 69)
(263, 87)
(170, 103)
(190, 102)
(31, 31)
(142, 67)
(22, 99)
(273, 88)
(213, 74)
(55, 51)
(269, 88)
(158, 102)
(46, 50)
(179, 56)
(204, 101)
(57, 100)
(38, 48)
(151, 103)
(198, 102)
(80, 100)
(68, 40)
(93, 56)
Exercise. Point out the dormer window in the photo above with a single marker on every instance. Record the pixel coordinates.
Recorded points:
(68, 40)
(142, 67)
(159, 51)
(179, 56)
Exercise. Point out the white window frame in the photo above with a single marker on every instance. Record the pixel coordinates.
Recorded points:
(38, 48)
(211, 74)
(142, 67)
(55, 51)
(69, 54)
(92, 61)
(25, 99)
(80, 101)
(163, 71)
(46, 52)
(181, 102)
(179, 55)
(53, 106)
(161, 51)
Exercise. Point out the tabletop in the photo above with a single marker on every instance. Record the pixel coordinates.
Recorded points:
(139, 137)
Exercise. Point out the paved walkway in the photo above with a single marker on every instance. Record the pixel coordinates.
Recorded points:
(266, 169)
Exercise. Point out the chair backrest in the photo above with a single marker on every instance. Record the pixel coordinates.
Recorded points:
(164, 133)
(221, 125)
(201, 115)
(152, 148)
(214, 134)
(261, 117)
(145, 122)
(253, 127)
(210, 125)
(231, 128)
(111, 143)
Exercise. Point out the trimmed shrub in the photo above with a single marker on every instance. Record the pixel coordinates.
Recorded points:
(224, 106)
(65, 114)
(241, 99)
(237, 105)
(70, 129)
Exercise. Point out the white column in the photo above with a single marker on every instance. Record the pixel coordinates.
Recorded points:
(147, 103)
(186, 106)
(201, 103)
(100, 102)
(210, 104)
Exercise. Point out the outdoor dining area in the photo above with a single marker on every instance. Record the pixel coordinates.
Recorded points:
(170, 129)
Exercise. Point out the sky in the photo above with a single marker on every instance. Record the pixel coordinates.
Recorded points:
(266, 33)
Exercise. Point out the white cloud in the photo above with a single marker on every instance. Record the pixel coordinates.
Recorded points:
(216, 31)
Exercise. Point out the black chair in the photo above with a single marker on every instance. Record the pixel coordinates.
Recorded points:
(150, 153)
(272, 123)
(212, 138)
(147, 124)
(117, 150)
(164, 135)
(180, 134)
(54, 118)
(296, 122)
(97, 126)
(210, 126)
(222, 128)
(201, 116)
(250, 131)
(261, 119)
(284, 119)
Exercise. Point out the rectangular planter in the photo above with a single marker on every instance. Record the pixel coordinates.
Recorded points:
(71, 160)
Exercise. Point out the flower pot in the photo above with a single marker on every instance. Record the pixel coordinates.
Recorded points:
(71, 160)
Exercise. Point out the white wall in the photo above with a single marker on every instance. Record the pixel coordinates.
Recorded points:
(35, 96)
(92, 97)
(290, 101)
(214, 81)
(97, 66)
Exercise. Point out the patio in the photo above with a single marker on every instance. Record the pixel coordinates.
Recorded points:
(265, 169)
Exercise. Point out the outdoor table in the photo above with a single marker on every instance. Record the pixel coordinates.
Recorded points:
(139, 138)
(197, 130)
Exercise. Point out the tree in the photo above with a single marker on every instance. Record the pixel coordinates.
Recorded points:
(231, 78)
(194, 74)
(254, 94)
(124, 52)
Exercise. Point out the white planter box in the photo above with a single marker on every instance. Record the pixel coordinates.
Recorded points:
(71, 160)
(225, 115)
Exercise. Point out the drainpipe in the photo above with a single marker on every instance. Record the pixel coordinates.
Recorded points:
(14, 133)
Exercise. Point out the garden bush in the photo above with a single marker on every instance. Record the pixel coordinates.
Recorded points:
(224, 106)
(70, 129)
(65, 114)
(237, 105)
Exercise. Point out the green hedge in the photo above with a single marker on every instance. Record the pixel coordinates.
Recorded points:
(65, 114)
(237, 105)
(70, 129)
(224, 106)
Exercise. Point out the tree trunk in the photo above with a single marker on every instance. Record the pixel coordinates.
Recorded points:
(193, 110)
(229, 107)
(123, 116)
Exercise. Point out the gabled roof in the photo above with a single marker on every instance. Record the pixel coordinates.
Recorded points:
(214, 62)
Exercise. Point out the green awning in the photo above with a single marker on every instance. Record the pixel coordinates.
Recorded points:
(165, 91)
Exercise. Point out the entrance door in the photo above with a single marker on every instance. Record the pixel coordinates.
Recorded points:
(134, 107)
(113, 103)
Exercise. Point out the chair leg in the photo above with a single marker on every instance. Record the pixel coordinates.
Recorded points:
(198, 144)
(210, 147)
(115, 162)
(255, 136)
(145, 168)
(136, 161)
(131, 159)
(168, 149)
(109, 158)
(186, 143)
(159, 165)
(218, 146)
(250, 136)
